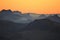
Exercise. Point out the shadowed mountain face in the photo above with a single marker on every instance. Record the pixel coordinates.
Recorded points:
(8, 26)
(44, 25)
(37, 30)
(54, 18)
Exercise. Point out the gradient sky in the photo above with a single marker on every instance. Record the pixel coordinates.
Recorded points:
(34, 6)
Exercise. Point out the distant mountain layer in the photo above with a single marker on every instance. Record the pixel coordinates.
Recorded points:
(19, 17)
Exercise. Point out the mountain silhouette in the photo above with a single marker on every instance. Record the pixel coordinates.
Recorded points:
(6, 11)
(54, 18)
(44, 25)
(17, 26)
(16, 16)
(9, 26)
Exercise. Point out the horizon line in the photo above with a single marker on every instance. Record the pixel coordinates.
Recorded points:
(27, 12)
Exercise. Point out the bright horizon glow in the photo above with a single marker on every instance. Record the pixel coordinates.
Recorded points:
(33, 6)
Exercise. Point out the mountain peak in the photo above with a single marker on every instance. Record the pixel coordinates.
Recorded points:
(6, 11)
(54, 18)
(17, 12)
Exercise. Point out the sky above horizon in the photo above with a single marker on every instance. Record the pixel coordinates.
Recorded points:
(33, 6)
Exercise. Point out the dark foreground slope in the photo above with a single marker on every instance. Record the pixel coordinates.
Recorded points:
(37, 30)
(42, 29)
(44, 25)
(8, 26)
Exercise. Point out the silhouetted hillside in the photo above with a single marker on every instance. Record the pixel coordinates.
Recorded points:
(37, 30)
(54, 18)
(44, 25)
(6, 12)
(8, 26)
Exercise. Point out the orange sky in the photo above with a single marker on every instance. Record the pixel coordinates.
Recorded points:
(34, 6)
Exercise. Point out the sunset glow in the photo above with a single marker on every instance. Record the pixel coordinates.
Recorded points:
(34, 6)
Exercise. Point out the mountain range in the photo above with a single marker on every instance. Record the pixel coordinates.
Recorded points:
(15, 25)
(19, 17)
(44, 25)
